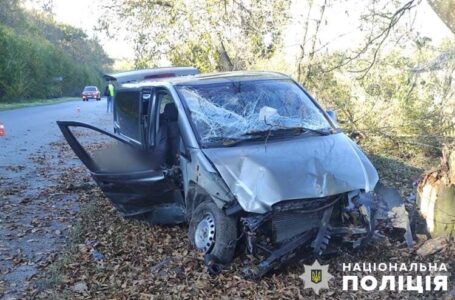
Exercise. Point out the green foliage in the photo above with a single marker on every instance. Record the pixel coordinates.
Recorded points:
(208, 34)
(201, 54)
(42, 59)
(395, 108)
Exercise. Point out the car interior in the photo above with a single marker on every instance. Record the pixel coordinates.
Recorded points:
(168, 134)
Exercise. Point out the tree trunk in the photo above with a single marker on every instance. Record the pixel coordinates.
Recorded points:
(445, 9)
(436, 196)
(225, 61)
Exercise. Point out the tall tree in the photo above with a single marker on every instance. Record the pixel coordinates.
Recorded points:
(211, 34)
(41, 58)
(378, 20)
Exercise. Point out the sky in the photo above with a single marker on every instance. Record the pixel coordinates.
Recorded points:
(341, 30)
(84, 14)
(342, 21)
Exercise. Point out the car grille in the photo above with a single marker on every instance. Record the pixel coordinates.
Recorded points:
(293, 217)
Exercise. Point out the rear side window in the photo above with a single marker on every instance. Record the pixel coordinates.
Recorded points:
(127, 114)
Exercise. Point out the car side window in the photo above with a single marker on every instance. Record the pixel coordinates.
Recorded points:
(127, 111)
(164, 98)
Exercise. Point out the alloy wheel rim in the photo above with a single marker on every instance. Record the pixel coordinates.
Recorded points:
(205, 233)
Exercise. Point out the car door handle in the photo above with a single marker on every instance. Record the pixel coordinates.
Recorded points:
(185, 156)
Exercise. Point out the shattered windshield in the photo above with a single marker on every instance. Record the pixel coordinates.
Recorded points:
(234, 109)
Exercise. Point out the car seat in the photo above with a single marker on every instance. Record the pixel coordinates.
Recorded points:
(170, 124)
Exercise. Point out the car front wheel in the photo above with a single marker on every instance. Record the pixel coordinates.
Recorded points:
(212, 232)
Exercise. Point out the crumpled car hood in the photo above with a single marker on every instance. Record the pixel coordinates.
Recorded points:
(260, 175)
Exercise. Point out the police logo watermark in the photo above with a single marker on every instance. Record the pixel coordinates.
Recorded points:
(428, 277)
(316, 277)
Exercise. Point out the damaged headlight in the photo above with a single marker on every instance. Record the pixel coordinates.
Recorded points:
(357, 218)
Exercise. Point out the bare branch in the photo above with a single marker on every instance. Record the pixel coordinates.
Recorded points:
(381, 37)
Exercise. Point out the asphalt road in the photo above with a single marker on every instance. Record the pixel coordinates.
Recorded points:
(37, 207)
(28, 129)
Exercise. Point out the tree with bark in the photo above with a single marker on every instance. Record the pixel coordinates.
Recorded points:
(209, 34)
(445, 9)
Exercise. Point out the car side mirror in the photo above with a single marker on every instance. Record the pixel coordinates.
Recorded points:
(333, 115)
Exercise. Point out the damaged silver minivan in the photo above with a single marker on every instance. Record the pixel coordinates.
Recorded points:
(246, 158)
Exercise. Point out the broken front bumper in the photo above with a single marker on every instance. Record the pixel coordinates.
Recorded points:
(307, 226)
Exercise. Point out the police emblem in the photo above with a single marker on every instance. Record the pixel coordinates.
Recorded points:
(316, 277)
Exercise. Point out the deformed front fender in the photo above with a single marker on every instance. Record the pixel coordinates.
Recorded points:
(202, 181)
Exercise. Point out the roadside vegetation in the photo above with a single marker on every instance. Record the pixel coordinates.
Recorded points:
(42, 59)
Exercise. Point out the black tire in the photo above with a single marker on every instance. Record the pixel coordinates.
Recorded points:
(224, 245)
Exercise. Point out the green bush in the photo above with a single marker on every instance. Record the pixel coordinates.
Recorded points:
(42, 59)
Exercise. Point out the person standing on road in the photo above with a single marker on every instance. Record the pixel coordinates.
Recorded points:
(110, 93)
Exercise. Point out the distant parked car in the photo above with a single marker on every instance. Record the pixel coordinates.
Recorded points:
(91, 92)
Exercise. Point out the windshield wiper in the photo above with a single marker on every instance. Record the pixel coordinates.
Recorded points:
(225, 141)
(232, 141)
(288, 130)
(261, 134)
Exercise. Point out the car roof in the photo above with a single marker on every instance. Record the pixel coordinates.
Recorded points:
(211, 78)
(227, 77)
(90, 86)
(155, 74)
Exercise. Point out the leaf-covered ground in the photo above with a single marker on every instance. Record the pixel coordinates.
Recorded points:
(107, 256)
